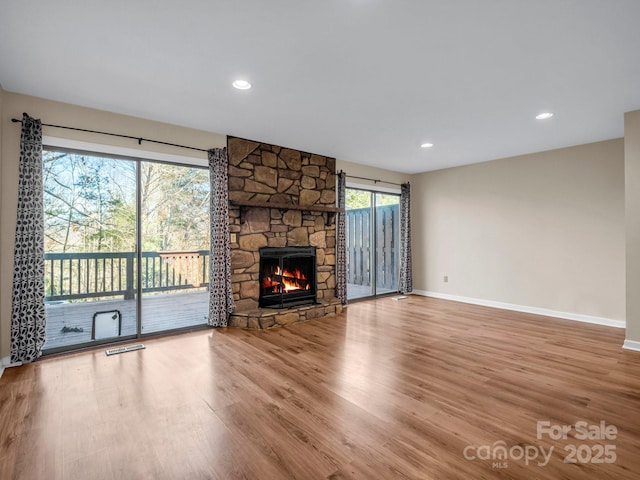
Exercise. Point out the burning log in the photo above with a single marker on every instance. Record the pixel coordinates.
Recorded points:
(290, 283)
(285, 281)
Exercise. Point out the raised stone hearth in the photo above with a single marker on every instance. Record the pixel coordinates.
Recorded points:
(267, 317)
(299, 191)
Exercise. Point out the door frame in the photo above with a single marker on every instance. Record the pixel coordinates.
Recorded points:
(137, 156)
(373, 190)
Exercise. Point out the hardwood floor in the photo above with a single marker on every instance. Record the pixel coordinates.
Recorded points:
(388, 389)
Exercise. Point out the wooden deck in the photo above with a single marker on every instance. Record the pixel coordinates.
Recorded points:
(159, 312)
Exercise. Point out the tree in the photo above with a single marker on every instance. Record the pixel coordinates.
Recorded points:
(175, 207)
(90, 205)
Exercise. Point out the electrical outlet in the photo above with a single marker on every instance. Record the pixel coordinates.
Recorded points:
(446, 279)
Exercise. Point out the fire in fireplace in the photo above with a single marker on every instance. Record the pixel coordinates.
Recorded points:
(287, 276)
(285, 281)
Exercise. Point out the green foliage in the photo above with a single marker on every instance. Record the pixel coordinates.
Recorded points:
(387, 199)
(355, 199)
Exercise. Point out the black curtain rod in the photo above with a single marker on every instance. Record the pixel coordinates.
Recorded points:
(139, 139)
(374, 180)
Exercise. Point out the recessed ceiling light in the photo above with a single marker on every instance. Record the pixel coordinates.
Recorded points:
(544, 116)
(241, 85)
(426, 145)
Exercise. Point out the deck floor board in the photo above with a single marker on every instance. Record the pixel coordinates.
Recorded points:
(160, 312)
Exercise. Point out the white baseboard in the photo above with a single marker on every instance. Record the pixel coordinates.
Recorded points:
(6, 363)
(631, 345)
(526, 309)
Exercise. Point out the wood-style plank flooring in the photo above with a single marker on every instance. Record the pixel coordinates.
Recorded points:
(388, 389)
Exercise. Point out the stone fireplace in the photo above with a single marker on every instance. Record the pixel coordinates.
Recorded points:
(280, 198)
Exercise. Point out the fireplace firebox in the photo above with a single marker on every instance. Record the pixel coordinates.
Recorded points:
(287, 276)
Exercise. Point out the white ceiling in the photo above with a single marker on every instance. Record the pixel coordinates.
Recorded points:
(366, 81)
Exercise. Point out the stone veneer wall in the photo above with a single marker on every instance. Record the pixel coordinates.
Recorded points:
(268, 173)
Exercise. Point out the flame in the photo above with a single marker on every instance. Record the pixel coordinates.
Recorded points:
(292, 280)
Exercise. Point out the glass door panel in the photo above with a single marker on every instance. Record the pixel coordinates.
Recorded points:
(387, 242)
(358, 231)
(175, 246)
(90, 248)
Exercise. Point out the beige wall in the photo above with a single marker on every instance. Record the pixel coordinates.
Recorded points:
(12, 106)
(544, 230)
(632, 192)
(3, 227)
(365, 171)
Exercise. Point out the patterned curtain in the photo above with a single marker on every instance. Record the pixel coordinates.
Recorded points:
(341, 243)
(27, 314)
(405, 284)
(221, 303)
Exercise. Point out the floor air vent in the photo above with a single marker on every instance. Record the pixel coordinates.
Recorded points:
(128, 348)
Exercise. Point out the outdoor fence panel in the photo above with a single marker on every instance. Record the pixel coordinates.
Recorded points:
(359, 244)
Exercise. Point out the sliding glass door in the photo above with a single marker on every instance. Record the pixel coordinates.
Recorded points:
(126, 248)
(372, 230)
(175, 246)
